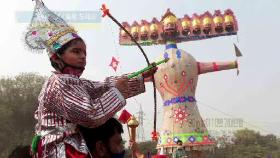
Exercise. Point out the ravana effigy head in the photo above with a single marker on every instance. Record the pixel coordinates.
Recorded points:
(173, 29)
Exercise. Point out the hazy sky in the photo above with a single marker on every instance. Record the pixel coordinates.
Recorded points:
(252, 96)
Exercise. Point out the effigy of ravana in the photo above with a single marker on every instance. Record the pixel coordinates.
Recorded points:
(177, 79)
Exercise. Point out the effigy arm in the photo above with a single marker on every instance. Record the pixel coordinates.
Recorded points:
(205, 67)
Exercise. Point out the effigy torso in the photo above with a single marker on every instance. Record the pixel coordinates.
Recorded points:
(176, 82)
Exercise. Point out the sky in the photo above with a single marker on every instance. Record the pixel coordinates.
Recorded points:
(252, 96)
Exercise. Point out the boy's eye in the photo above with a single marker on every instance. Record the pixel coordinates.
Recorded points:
(76, 51)
(79, 51)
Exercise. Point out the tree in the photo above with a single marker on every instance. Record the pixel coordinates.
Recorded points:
(20, 151)
(249, 144)
(144, 148)
(18, 101)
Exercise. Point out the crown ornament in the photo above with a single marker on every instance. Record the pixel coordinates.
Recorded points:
(47, 30)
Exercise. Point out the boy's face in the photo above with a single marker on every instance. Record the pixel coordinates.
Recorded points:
(114, 147)
(75, 55)
(116, 143)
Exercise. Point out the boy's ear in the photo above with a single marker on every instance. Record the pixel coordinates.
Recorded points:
(100, 149)
(58, 61)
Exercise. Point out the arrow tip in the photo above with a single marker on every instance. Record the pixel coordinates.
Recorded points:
(104, 10)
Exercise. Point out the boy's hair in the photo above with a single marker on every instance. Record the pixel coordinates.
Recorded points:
(179, 142)
(61, 50)
(102, 133)
(22, 151)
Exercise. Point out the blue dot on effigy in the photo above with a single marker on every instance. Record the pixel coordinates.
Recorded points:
(178, 53)
(165, 55)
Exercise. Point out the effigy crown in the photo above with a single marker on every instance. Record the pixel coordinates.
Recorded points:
(196, 27)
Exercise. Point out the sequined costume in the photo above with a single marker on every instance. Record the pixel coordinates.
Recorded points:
(67, 100)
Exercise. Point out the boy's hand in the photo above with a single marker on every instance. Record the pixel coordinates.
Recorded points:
(134, 148)
(149, 75)
(122, 85)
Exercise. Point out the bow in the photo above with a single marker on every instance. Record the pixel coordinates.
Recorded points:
(106, 12)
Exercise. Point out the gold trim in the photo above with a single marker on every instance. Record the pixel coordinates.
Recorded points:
(60, 34)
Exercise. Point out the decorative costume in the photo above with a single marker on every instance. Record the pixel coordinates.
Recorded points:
(67, 100)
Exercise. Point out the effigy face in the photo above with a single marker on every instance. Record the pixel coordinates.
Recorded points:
(176, 82)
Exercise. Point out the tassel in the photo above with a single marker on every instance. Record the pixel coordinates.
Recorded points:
(237, 54)
(237, 51)
(35, 142)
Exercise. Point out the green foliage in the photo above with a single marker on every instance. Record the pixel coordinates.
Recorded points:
(20, 151)
(145, 148)
(249, 144)
(18, 101)
(148, 146)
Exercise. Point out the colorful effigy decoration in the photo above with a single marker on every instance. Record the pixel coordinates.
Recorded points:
(176, 80)
(171, 28)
